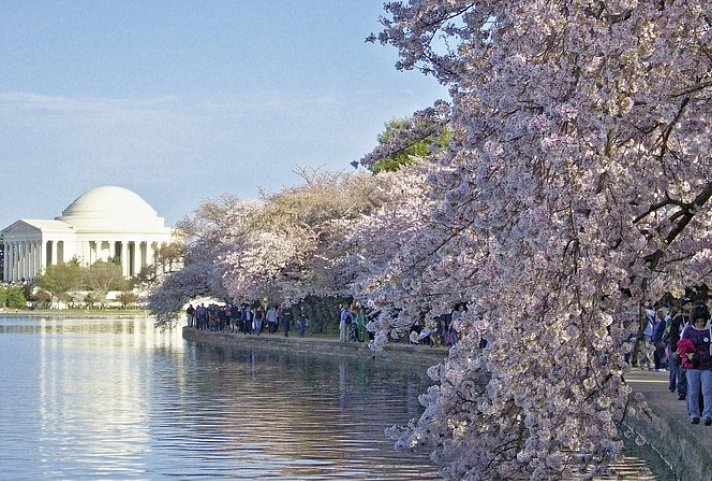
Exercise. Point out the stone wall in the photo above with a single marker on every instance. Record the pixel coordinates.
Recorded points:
(405, 355)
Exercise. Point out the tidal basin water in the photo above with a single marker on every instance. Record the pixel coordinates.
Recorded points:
(117, 399)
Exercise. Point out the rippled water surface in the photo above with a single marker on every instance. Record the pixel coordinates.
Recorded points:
(116, 399)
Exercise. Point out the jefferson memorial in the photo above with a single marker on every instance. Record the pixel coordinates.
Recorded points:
(105, 222)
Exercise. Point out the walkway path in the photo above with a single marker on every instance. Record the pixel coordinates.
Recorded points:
(687, 448)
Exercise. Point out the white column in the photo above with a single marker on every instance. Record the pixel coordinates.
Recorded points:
(137, 258)
(125, 258)
(53, 255)
(36, 268)
(151, 254)
(143, 249)
(83, 250)
(40, 263)
(32, 258)
(17, 262)
(6, 265)
(27, 257)
(43, 255)
(38, 258)
(8, 261)
(22, 258)
(13, 261)
(7, 268)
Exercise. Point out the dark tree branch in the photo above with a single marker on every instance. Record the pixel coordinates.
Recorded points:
(684, 218)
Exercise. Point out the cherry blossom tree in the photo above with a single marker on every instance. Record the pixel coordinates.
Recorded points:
(576, 185)
(206, 234)
(293, 243)
(293, 246)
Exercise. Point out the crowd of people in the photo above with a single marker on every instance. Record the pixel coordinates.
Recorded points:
(679, 335)
(353, 326)
(256, 319)
(251, 319)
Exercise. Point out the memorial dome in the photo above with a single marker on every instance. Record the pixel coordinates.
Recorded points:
(111, 207)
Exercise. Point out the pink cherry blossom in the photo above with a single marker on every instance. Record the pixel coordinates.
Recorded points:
(576, 186)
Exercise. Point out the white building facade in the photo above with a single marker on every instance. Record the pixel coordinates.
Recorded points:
(105, 222)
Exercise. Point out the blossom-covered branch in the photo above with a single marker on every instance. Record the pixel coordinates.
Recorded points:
(580, 153)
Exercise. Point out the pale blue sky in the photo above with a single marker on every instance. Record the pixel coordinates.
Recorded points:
(183, 100)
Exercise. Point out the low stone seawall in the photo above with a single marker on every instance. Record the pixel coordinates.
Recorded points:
(402, 354)
(685, 448)
(688, 459)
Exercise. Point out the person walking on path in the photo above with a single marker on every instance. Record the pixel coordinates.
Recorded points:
(659, 359)
(302, 323)
(345, 318)
(360, 321)
(286, 320)
(677, 379)
(247, 319)
(272, 319)
(258, 319)
(694, 350)
(190, 315)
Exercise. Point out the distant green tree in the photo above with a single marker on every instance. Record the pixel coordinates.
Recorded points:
(126, 298)
(169, 255)
(146, 276)
(28, 290)
(102, 277)
(421, 148)
(59, 279)
(42, 298)
(89, 301)
(12, 297)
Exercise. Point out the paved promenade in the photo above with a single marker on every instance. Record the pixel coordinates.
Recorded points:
(686, 448)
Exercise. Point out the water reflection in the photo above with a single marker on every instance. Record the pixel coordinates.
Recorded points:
(120, 400)
(307, 418)
(91, 399)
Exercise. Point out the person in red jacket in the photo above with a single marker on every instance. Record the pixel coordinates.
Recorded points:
(697, 359)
